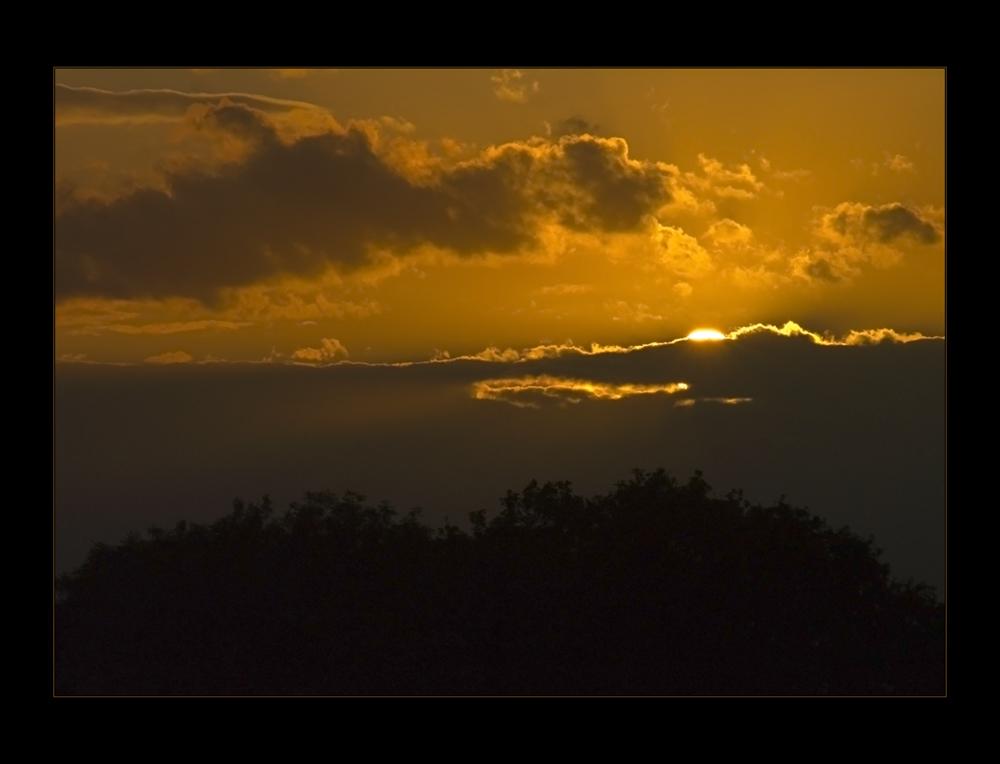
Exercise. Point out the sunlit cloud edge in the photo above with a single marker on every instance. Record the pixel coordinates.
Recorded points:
(539, 352)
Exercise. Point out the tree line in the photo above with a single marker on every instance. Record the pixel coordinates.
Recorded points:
(657, 588)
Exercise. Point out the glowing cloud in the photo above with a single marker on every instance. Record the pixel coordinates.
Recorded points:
(331, 348)
(790, 329)
(863, 337)
(853, 234)
(570, 389)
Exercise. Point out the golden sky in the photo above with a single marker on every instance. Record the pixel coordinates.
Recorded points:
(312, 216)
(431, 287)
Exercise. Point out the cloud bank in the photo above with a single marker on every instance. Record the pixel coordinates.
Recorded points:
(298, 203)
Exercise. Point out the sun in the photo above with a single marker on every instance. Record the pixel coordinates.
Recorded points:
(706, 334)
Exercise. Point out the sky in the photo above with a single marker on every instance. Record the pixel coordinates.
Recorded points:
(433, 286)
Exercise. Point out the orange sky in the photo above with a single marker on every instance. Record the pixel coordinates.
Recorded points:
(512, 256)
(319, 215)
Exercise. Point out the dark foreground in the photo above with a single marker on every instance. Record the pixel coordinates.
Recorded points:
(655, 589)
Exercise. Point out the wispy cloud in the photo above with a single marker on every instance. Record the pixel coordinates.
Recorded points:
(176, 356)
(565, 389)
(173, 327)
(687, 402)
(510, 85)
(81, 105)
(631, 312)
(561, 289)
(899, 163)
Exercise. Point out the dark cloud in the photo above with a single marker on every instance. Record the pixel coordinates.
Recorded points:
(296, 206)
(290, 208)
(820, 269)
(884, 223)
(620, 192)
(893, 220)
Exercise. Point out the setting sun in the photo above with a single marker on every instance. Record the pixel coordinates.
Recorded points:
(706, 334)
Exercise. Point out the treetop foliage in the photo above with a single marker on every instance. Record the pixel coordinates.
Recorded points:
(655, 588)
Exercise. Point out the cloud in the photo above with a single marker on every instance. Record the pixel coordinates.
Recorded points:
(173, 327)
(714, 170)
(96, 312)
(330, 349)
(793, 175)
(292, 300)
(561, 289)
(789, 329)
(288, 208)
(507, 86)
(680, 252)
(571, 390)
(877, 336)
(495, 355)
(796, 175)
(739, 183)
(95, 316)
(811, 266)
(568, 349)
(729, 235)
(624, 311)
(899, 163)
(682, 289)
(852, 234)
(896, 163)
(854, 337)
(601, 186)
(297, 204)
(687, 402)
(177, 356)
(887, 222)
(94, 106)
(541, 352)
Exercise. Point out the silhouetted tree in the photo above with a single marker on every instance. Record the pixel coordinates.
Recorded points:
(656, 588)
